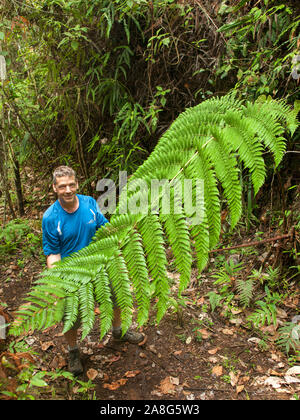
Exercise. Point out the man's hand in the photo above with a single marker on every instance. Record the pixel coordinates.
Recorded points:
(51, 259)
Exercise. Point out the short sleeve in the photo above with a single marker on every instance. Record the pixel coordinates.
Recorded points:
(101, 220)
(51, 242)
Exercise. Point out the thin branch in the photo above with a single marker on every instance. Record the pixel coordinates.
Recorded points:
(256, 243)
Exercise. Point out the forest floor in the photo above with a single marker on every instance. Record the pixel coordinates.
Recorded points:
(195, 353)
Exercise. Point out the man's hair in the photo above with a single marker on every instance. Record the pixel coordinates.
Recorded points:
(63, 171)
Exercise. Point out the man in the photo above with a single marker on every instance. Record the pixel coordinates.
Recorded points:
(68, 226)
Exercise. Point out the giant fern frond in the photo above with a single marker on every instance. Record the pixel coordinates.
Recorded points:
(210, 142)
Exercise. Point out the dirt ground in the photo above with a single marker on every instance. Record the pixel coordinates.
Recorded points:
(193, 354)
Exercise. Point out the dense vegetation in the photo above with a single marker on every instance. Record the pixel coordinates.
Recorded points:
(208, 143)
(96, 84)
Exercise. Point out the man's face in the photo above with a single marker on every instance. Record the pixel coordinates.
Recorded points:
(66, 188)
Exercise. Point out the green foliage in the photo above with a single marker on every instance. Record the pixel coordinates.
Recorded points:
(289, 337)
(205, 142)
(245, 290)
(261, 42)
(12, 235)
(266, 311)
(94, 84)
(214, 300)
(21, 235)
(31, 383)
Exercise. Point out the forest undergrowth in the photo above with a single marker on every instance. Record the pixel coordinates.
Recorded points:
(94, 85)
(234, 334)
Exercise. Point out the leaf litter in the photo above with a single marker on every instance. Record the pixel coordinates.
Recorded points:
(204, 356)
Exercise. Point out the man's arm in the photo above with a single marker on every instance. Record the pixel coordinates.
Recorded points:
(51, 259)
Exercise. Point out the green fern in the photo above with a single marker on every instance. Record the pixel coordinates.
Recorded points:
(266, 313)
(289, 337)
(245, 291)
(211, 142)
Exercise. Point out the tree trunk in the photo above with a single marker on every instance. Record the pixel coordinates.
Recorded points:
(7, 194)
(18, 185)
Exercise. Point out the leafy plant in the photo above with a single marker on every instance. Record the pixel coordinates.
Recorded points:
(245, 290)
(12, 234)
(226, 277)
(261, 42)
(270, 277)
(128, 254)
(289, 336)
(214, 299)
(267, 309)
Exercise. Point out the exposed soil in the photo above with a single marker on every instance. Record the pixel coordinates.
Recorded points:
(193, 354)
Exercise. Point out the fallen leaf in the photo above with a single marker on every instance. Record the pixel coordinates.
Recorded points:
(188, 340)
(259, 369)
(239, 388)
(87, 350)
(58, 362)
(214, 351)
(274, 381)
(233, 378)
(92, 374)
(281, 313)
(275, 357)
(45, 346)
(30, 340)
(270, 329)
(200, 301)
(204, 333)
(227, 331)
(115, 385)
(156, 393)
(167, 386)
(254, 340)
(291, 379)
(113, 359)
(244, 380)
(217, 370)
(295, 370)
(274, 372)
(132, 373)
(236, 321)
(174, 381)
(177, 353)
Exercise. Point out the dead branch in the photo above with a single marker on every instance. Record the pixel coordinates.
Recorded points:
(257, 243)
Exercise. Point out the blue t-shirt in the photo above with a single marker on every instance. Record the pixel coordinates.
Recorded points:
(65, 233)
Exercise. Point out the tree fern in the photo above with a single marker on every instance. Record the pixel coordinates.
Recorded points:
(289, 337)
(120, 283)
(71, 310)
(137, 268)
(210, 142)
(103, 293)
